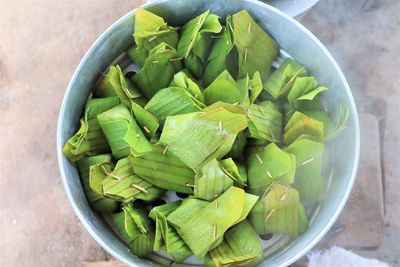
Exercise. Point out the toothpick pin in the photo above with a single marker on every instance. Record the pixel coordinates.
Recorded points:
(307, 161)
(270, 214)
(259, 159)
(139, 188)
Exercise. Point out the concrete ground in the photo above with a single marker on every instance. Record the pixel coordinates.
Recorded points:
(42, 42)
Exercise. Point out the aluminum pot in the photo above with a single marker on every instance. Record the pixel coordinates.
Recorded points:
(296, 41)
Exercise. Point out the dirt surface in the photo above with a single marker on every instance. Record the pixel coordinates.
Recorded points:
(42, 42)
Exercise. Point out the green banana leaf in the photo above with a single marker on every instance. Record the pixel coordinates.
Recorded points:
(282, 80)
(224, 88)
(242, 171)
(249, 89)
(221, 55)
(309, 160)
(88, 140)
(115, 84)
(279, 212)
(237, 151)
(122, 133)
(241, 247)
(304, 89)
(212, 221)
(196, 42)
(184, 80)
(230, 168)
(211, 181)
(150, 31)
(298, 124)
(148, 123)
(255, 47)
(199, 137)
(97, 201)
(123, 185)
(172, 101)
(270, 165)
(95, 106)
(158, 70)
(166, 236)
(189, 207)
(163, 169)
(233, 108)
(265, 121)
(136, 229)
(332, 127)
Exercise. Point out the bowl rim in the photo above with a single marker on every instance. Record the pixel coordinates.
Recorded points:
(287, 261)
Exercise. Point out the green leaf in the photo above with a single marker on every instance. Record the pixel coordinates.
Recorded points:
(269, 165)
(136, 229)
(255, 87)
(298, 124)
(123, 185)
(211, 222)
(278, 212)
(304, 89)
(167, 235)
(236, 250)
(97, 201)
(150, 31)
(283, 78)
(303, 219)
(95, 106)
(332, 127)
(163, 169)
(172, 101)
(188, 208)
(115, 84)
(145, 119)
(122, 132)
(183, 80)
(198, 137)
(223, 88)
(218, 60)
(211, 181)
(195, 42)
(309, 159)
(249, 40)
(237, 151)
(265, 121)
(158, 70)
(230, 168)
(88, 140)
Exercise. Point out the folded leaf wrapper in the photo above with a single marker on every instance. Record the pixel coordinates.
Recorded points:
(212, 181)
(184, 80)
(224, 88)
(271, 164)
(195, 42)
(137, 230)
(172, 101)
(221, 57)
(122, 133)
(282, 79)
(250, 39)
(212, 221)
(163, 169)
(89, 139)
(309, 159)
(241, 247)
(198, 137)
(166, 236)
(158, 70)
(150, 31)
(279, 212)
(123, 185)
(97, 201)
(265, 121)
(148, 123)
(298, 124)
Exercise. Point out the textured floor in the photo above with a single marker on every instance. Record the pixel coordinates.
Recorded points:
(41, 43)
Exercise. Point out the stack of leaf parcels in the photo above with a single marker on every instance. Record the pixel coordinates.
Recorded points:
(208, 117)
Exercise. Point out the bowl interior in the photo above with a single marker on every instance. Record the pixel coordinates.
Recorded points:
(292, 38)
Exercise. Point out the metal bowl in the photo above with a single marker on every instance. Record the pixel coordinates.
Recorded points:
(296, 41)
